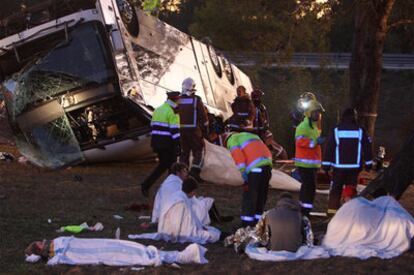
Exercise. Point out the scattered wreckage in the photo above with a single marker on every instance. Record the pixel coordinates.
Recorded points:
(82, 78)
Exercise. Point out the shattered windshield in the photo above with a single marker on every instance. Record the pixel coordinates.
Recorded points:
(41, 127)
(73, 64)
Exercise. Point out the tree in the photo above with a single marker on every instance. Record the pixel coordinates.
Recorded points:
(371, 25)
(277, 26)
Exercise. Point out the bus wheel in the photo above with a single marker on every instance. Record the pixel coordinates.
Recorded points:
(129, 16)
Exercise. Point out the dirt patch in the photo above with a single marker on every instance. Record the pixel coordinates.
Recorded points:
(33, 195)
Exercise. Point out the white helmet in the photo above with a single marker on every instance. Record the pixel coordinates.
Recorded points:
(188, 86)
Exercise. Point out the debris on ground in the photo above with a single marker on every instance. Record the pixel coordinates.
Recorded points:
(79, 228)
(7, 157)
(118, 217)
(175, 266)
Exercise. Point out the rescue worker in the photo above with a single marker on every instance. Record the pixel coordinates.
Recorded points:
(261, 126)
(243, 111)
(254, 161)
(261, 120)
(165, 138)
(347, 149)
(193, 126)
(308, 155)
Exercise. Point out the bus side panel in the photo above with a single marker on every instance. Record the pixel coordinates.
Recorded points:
(242, 79)
(164, 58)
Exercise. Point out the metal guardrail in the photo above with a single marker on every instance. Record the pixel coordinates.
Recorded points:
(317, 60)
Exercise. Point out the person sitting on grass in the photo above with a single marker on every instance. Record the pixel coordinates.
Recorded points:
(181, 217)
(203, 207)
(283, 228)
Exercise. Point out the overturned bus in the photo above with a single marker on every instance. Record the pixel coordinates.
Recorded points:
(81, 84)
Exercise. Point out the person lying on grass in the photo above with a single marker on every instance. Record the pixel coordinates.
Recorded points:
(112, 252)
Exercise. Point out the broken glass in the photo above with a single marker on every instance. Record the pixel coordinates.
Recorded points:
(80, 62)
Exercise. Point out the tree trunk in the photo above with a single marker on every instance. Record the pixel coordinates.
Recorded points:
(395, 179)
(371, 17)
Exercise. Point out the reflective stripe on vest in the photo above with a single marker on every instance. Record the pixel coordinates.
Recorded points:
(164, 133)
(306, 205)
(307, 161)
(347, 134)
(247, 218)
(194, 102)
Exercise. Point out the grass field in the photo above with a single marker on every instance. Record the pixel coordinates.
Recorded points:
(30, 196)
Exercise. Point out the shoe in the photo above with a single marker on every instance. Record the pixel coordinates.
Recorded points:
(144, 191)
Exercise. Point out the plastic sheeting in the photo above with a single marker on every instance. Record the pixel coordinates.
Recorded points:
(219, 168)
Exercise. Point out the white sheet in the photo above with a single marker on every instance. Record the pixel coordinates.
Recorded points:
(219, 168)
(303, 253)
(362, 228)
(76, 251)
(172, 184)
(179, 223)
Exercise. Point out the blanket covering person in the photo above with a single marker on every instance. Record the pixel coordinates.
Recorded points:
(362, 228)
(112, 252)
(381, 228)
(172, 184)
(178, 222)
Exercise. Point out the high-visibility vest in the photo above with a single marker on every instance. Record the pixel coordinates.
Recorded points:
(192, 112)
(308, 153)
(347, 147)
(249, 152)
(165, 126)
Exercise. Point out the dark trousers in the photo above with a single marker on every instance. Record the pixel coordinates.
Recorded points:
(255, 195)
(166, 158)
(307, 189)
(341, 177)
(192, 142)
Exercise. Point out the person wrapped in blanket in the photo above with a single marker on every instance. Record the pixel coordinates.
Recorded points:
(281, 228)
(111, 252)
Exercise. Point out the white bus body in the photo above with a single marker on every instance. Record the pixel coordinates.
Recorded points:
(82, 87)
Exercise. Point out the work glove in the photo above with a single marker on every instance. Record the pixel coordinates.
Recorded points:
(320, 140)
